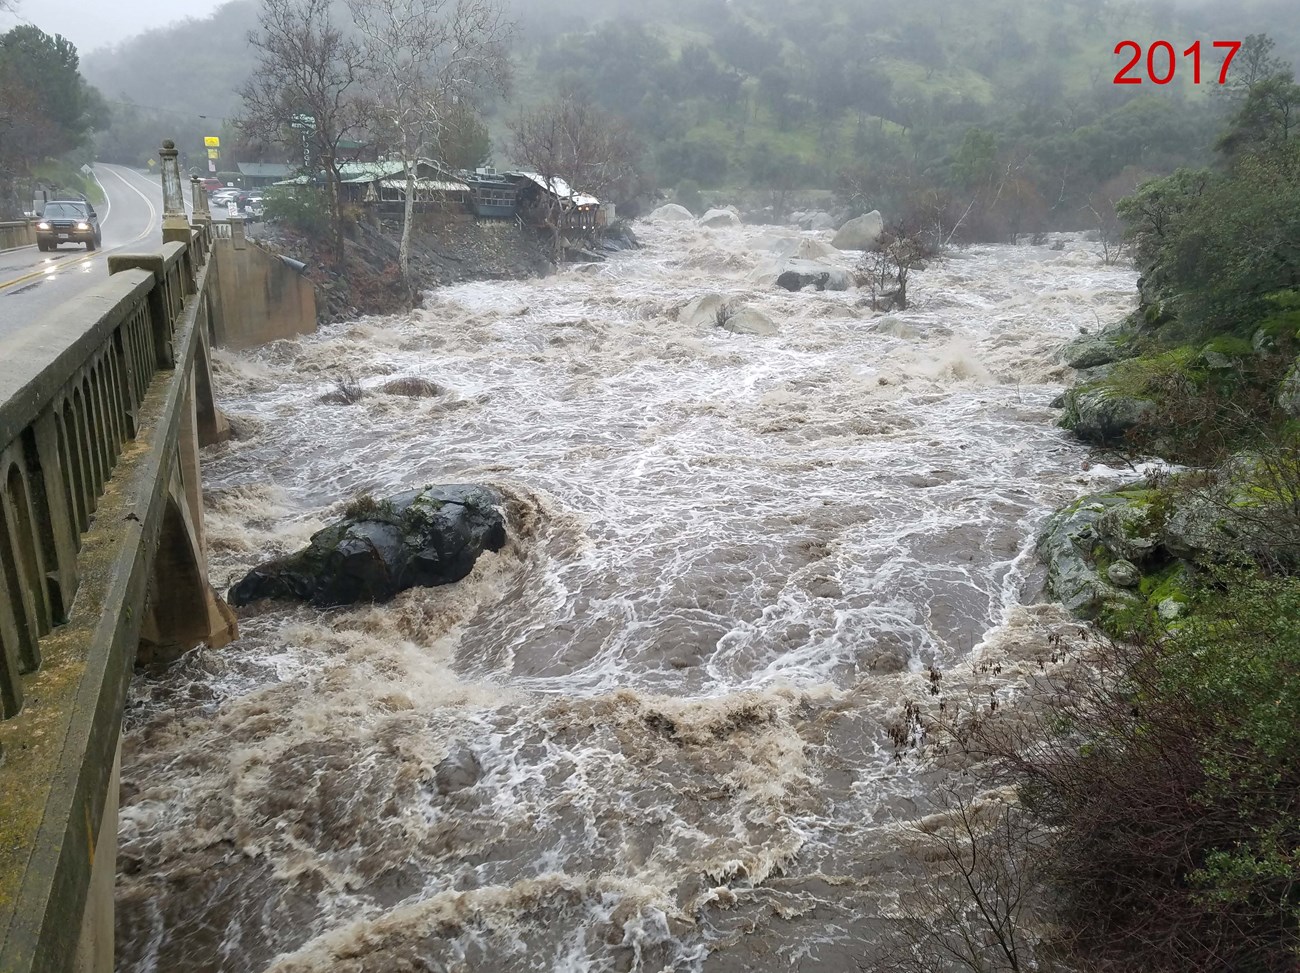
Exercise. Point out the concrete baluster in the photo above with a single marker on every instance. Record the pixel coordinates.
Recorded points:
(175, 225)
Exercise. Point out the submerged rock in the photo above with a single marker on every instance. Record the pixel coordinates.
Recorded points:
(748, 321)
(720, 217)
(457, 771)
(421, 538)
(798, 274)
(704, 310)
(672, 213)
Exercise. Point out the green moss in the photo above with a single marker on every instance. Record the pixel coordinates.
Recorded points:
(1230, 346)
(1142, 378)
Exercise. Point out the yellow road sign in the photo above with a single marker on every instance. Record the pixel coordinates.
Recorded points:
(212, 142)
(214, 153)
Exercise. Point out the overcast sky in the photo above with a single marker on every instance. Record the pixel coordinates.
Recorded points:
(96, 23)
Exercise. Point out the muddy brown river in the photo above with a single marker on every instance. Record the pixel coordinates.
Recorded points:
(652, 733)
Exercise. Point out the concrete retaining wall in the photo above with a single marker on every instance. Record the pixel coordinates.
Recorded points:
(262, 298)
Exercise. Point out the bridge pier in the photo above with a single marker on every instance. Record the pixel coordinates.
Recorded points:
(182, 609)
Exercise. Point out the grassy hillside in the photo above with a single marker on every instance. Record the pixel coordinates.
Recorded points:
(870, 97)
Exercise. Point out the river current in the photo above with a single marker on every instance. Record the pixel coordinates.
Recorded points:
(653, 732)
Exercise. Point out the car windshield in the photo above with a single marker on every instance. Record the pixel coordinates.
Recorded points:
(64, 211)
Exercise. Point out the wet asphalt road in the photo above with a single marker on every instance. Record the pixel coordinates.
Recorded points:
(32, 284)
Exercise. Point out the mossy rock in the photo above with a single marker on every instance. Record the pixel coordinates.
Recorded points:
(422, 538)
(1099, 414)
(1070, 545)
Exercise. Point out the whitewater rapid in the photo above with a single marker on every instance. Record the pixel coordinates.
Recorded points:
(652, 733)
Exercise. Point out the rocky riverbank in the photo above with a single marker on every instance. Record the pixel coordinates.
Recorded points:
(442, 253)
(1219, 407)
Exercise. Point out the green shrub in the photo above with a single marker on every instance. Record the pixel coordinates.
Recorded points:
(1174, 793)
(304, 208)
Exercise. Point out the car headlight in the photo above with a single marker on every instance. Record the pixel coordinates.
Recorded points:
(83, 226)
(42, 226)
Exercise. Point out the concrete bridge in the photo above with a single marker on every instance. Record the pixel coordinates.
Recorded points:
(104, 406)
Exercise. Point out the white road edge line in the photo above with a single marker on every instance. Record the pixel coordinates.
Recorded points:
(108, 214)
(153, 211)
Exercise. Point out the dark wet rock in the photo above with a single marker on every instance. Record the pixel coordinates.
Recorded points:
(1102, 415)
(619, 237)
(457, 771)
(421, 538)
(1058, 402)
(1123, 574)
(798, 274)
(792, 280)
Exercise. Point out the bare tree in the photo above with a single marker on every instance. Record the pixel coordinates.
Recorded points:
(306, 89)
(977, 901)
(424, 59)
(571, 139)
(884, 272)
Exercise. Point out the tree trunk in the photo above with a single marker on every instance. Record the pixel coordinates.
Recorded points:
(404, 249)
(336, 210)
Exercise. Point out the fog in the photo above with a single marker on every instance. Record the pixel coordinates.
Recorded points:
(92, 26)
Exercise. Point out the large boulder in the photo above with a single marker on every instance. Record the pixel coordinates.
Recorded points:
(717, 218)
(798, 274)
(861, 233)
(1101, 415)
(1089, 351)
(421, 538)
(1128, 532)
(810, 249)
(1067, 544)
(746, 320)
(672, 213)
(798, 247)
(821, 221)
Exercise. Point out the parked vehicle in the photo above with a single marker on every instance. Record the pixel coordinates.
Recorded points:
(221, 198)
(68, 221)
(211, 184)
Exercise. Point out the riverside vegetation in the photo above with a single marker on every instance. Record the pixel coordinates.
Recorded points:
(1156, 796)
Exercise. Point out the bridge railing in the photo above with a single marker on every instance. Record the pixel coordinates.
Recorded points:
(17, 233)
(101, 414)
(70, 399)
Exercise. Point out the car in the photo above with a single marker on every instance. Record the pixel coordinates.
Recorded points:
(222, 198)
(68, 221)
(212, 183)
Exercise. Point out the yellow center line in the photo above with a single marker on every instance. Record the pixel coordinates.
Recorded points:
(46, 271)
